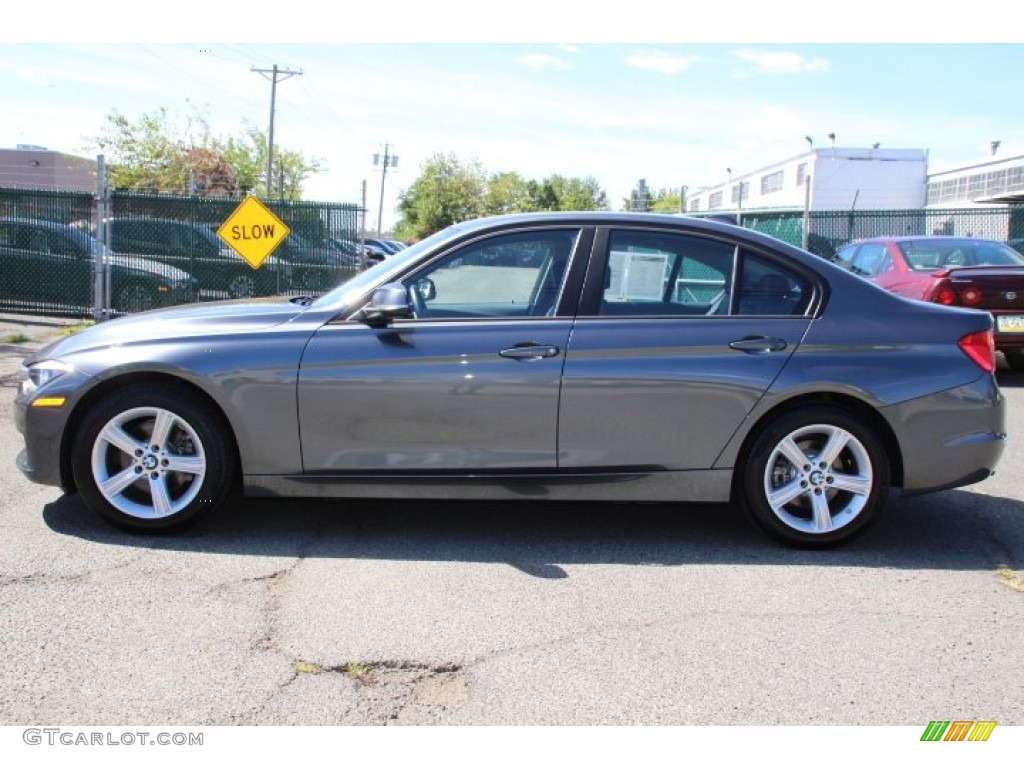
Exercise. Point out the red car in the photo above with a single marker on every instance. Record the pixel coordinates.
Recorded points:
(959, 271)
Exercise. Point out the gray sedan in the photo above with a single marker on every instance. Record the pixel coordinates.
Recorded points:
(568, 356)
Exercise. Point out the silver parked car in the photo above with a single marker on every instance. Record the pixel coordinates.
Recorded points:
(574, 356)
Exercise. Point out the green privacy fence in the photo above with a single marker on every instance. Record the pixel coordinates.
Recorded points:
(160, 250)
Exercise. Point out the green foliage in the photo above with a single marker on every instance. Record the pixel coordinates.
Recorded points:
(661, 201)
(449, 190)
(156, 154)
(247, 155)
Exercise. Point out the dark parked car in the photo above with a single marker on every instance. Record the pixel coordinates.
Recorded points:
(46, 263)
(196, 248)
(956, 271)
(315, 268)
(596, 356)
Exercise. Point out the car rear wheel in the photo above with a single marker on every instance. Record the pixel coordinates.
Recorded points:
(150, 459)
(135, 298)
(815, 477)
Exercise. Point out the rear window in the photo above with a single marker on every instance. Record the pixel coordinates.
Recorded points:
(926, 256)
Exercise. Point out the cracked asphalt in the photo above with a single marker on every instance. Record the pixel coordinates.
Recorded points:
(376, 613)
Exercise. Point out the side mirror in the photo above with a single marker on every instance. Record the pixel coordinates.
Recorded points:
(389, 302)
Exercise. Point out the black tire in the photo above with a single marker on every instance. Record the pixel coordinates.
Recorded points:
(130, 479)
(242, 287)
(1014, 358)
(135, 297)
(822, 502)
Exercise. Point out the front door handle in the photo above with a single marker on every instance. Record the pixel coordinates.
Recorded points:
(530, 350)
(758, 344)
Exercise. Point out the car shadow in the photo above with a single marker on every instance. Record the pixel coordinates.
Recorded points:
(952, 530)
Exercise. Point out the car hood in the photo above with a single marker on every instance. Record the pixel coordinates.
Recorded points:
(176, 323)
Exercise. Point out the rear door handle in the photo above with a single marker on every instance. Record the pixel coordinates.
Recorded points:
(758, 344)
(529, 350)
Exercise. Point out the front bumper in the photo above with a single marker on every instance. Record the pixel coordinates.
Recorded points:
(44, 428)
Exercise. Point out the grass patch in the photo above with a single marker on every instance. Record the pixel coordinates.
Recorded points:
(1008, 578)
(71, 330)
(15, 338)
(359, 671)
(307, 668)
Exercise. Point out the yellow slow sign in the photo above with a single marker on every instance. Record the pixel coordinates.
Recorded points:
(253, 231)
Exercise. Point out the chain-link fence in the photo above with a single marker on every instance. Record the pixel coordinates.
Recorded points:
(827, 231)
(162, 250)
(158, 250)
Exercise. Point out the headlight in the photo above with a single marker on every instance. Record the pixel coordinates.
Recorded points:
(38, 374)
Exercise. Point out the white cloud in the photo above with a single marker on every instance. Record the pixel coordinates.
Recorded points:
(544, 61)
(778, 62)
(659, 61)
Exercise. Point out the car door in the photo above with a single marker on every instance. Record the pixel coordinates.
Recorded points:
(470, 382)
(678, 337)
(70, 262)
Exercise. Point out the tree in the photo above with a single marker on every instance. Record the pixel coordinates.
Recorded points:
(450, 190)
(572, 194)
(508, 193)
(661, 201)
(447, 190)
(247, 154)
(154, 154)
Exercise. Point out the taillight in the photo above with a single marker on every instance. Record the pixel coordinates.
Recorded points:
(981, 348)
(944, 294)
(970, 296)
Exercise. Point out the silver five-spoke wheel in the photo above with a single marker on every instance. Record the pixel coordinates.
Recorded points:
(152, 457)
(815, 476)
(818, 478)
(148, 462)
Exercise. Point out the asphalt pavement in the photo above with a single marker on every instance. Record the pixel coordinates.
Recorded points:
(374, 613)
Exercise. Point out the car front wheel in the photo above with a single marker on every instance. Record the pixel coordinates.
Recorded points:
(815, 477)
(150, 459)
(135, 297)
(242, 287)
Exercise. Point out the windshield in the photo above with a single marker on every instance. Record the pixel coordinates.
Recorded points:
(928, 255)
(353, 290)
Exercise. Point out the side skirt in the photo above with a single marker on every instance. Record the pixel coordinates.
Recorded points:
(698, 486)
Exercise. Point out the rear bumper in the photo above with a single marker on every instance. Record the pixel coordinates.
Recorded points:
(950, 439)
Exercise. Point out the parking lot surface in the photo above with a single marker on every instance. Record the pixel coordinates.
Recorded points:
(302, 612)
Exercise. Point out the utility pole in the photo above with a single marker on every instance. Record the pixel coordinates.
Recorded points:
(393, 163)
(641, 195)
(362, 222)
(275, 74)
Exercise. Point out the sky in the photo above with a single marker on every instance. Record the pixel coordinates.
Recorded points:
(669, 96)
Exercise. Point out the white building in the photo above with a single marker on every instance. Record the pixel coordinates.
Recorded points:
(993, 182)
(833, 179)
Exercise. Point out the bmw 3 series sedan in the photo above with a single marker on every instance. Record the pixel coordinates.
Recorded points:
(583, 356)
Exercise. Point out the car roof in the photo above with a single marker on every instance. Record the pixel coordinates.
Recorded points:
(937, 239)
